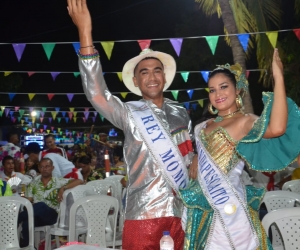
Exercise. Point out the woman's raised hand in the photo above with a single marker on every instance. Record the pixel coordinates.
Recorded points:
(277, 66)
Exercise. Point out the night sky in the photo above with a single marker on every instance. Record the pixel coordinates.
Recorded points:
(113, 20)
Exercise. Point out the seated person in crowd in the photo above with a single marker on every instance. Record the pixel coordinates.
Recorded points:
(45, 192)
(119, 167)
(11, 149)
(32, 168)
(8, 172)
(5, 189)
(52, 148)
(62, 166)
(84, 163)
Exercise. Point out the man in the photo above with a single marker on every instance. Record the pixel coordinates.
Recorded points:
(45, 192)
(62, 167)
(52, 148)
(157, 147)
(11, 149)
(8, 172)
(99, 148)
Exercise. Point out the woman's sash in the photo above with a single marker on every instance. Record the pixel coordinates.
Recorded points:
(229, 208)
(160, 143)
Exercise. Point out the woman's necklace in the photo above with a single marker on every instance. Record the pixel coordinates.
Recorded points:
(221, 118)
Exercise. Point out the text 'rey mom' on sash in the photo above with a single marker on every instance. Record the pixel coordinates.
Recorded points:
(160, 144)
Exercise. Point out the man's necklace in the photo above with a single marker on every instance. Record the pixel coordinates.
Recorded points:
(221, 118)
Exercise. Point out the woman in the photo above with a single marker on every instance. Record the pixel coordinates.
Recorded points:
(222, 213)
(86, 171)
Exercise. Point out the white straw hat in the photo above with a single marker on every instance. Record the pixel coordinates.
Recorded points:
(166, 59)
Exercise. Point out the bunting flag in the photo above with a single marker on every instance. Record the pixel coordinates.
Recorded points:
(67, 119)
(45, 127)
(297, 33)
(7, 73)
(48, 48)
(53, 113)
(247, 73)
(86, 109)
(7, 111)
(205, 75)
(101, 117)
(70, 114)
(42, 113)
(176, 43)
(194, 105)
(11, 113)
(19, 119)
(272, 36)
(30, 109)
(33, 129)
(190, 93)
(71, 109)
(200, 103)
(26, 119)
(30, 73)
(38, 113)
(54, 75)
(19, 49)
(244, 40)
(13, 119)
(74, 114)
(17, 108)
(94, 119)
(175, 94)
(86, 114)
(11, 96)
(37, 125)
(144, 44)
(75, 119)
(108, 48)
(50, 119)
(43, 108)
(57, 110)
(33, 119)
(95, 113)
(185, 76)
(70, 97)
(76, 47)
(58, 129)
(63, 113)
(58, 119)
(21, 112)
(31, 95)
(187, 105)
(76, 74)
(84, 119)
(50, 96)
(48, 131)
(212, 42)
(124, 94)
(52, 128)
(120, 76)
(1, 113)
(2, 108)
(207, 89)
(41, 130)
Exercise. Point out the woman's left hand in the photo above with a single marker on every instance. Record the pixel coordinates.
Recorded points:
(277, 66)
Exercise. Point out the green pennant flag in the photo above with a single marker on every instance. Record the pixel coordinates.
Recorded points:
(21, 112)
(175, 94)
(44, 109)
(185, 76)
(1, 113)
(101, 117)
(76, 74)
(212, 42)
(58, 119)
(48, 48)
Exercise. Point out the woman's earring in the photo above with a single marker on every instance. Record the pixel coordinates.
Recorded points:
(239, 102)
(210, 110)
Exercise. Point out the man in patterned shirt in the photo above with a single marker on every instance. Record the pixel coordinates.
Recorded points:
(45, 192)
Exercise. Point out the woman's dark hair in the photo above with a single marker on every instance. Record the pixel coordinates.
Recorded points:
(84, 160)
(33, 147)
(225, 72)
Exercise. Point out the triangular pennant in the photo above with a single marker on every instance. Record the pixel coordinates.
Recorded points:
(21, 112)
(187, 105)
(7, 111)
(45, 127)
(76, 46)
(76, 74)
(57, 109)
(95, 113)
(19, 49)
(54, 75)
(185, 76)
(26, 119)
(247, 73)
(53, 113)
(176, 43)
(30, 73)
(42, 113)
(86, 114)
(58, 129)
(44, 109)
(175, 94)
(200, 103)
(101, 117)
(67, 119)
(71, 109)
(58, 119)
(86, 109)
(207, 89)
(33, 129)
(30, 109)
(205, 75)
(108, 48)
(11, 113)
(17, 108)
(75, 119)
(52, 128)
(297, 33)
(124, 94)
(2, 108)
(244, 39)
(94, 119)
(41, 130)
(13, 119)
(144, 44)
(37, 125)
(48, 48)
(50, 96)
(33, 119)
(38, 113)
(63, 113)
(74, 114)
(84, 119)
(190, 93)
(48, 131)
(50, 119)
(194, 105)
(7, 73)
(212, 42)
(272, 36)
(70, 115)
(120, 76)
(11, 96)
(31, 95)
(19, 119)
(70, 97)
(1, 113)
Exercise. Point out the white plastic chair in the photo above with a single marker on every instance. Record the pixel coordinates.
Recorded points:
(97, 209)
(9, 210)
(103, 187)
(276, 200)
(287, 221)
(61, 228)
(293, 186)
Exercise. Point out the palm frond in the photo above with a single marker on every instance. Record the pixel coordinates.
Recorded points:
(297, 6)
(209, 7)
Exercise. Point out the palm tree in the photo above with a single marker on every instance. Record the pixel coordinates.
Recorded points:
(246, 16)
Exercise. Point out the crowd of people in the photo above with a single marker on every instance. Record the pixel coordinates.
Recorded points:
(204, 186)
